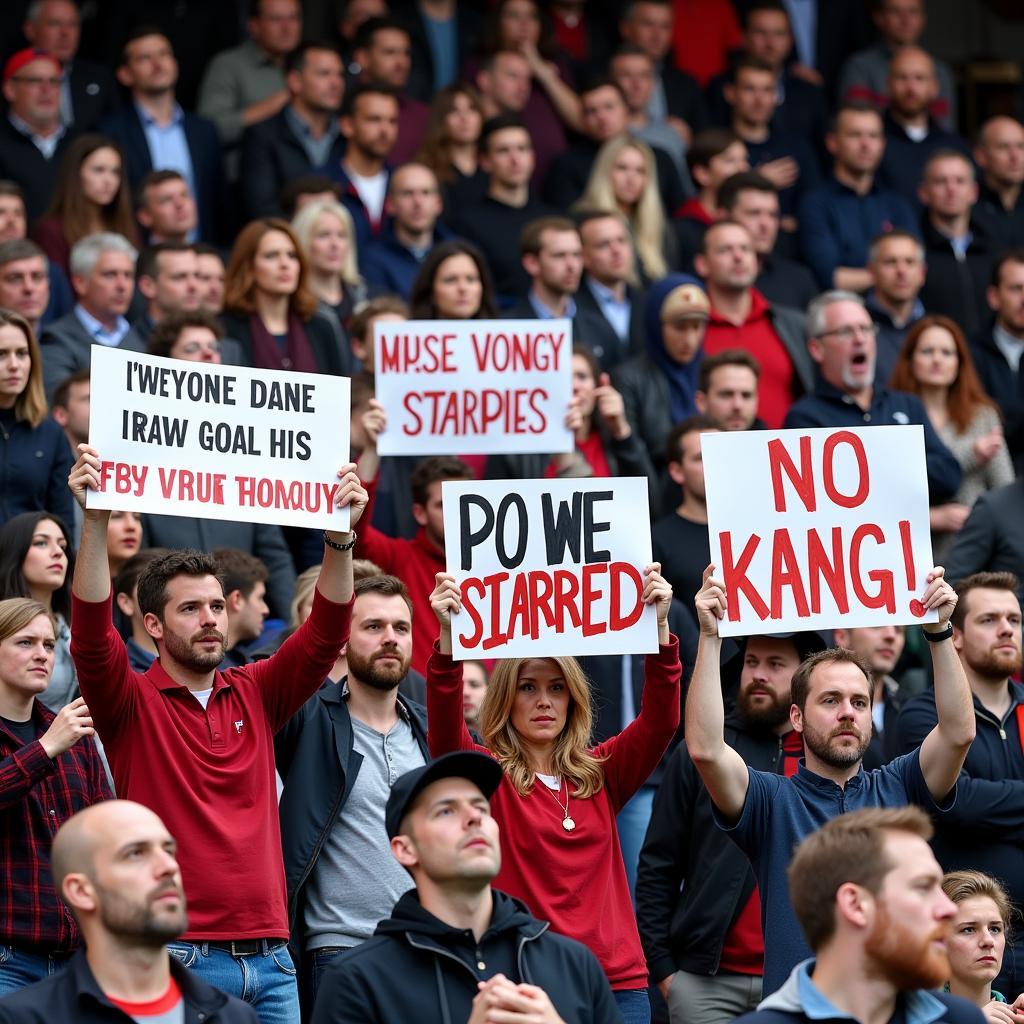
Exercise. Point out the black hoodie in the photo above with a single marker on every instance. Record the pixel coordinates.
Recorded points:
(417, 968)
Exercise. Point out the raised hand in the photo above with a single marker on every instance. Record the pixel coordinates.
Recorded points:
(711, 603)
(72, 723)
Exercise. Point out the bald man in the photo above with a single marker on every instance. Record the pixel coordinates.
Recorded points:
(999, 154)
(116, 869)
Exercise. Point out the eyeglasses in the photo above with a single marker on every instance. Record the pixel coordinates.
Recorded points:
(850, 331)
(36, 80)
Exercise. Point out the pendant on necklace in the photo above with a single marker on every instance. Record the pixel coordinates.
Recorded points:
(568, 824)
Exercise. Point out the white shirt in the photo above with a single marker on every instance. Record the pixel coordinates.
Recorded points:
(372, 192)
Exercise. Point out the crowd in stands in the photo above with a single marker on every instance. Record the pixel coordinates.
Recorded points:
(756, 214)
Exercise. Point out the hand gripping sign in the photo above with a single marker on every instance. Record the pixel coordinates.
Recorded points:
(820, 528)
(549, 567)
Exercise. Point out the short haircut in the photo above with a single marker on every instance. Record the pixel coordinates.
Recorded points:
(385, 585)
(137, 33)
(153, 581)
(85, 253)
(238, 570)
(748, 63)
(127, 577)
(531, 239)
(148, 264)
(588, 214)
(354, 94)
(981, 580)
(745, 181)
(948, 154)
(306, 185)
(727, 357)
(367, 311)
(151, 180)
(674, 441)
(849, 849)
(707, 145)
(879, 240)
(12, 188)
(205, 249)
(853, 107)
(800, 686)
(434, 469)
(764, 5)
(966, 885)
(815, 322)
(725, 222)
(596, 82)
(296, 60)
(165, 334)
(500, 123)
(490, 60)
(362, 389)
(1015, 255)
(63, 392)
(21, 249)
(630, 50)
(363, 39)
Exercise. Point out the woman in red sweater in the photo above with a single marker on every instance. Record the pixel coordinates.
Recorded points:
(557, 805)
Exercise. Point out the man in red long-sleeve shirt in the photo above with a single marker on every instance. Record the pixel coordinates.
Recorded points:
(195, 745)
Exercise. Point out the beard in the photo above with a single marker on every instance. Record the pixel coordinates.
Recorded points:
(370, 671)
(904, 957)
(146, 923)
(765, 713)
(185, 654)
(823, 747)
(994, 665)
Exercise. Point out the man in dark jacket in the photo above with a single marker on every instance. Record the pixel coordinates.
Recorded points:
(115, 865)
(454, 947)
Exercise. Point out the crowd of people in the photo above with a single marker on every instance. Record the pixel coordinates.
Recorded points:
(242, 777)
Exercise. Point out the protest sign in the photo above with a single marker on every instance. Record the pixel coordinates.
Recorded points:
(218, 442)
(549, 567)
(820, 528)
(474, 387)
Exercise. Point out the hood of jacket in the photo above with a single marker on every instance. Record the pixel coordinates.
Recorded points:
(410, 917)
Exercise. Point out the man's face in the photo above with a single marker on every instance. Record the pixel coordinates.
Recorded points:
(728, 260)
(1006, 298)
(913, 86)
(768, 667)
(277, 28)
(949, 188)
(767, 37)
(509, 157)
(898, 269)
(752, 97)
(169, 211)
(74, 418)
(431, 515)
(474, 688)
(858, 141)
(57, 29)
(379, 647)
(373, 125)
(414, 199)
(389, 58)
(210, 270)
(990, 641)
(758, 212)
(649, 27)
(731, 398)
(150, 67)
(906, 945)
(26, 659)
(879, 646)
(730, 161)
(176, 286)
(194, 629)
(508, 82)
(249, 613)
(689, 470)
(25, 287)
(901, 22)
(683, 336)
(320, 84)
(607, 250)
(836, 720)
(1000, 153)
(634, 75)
(450, 836)
(33, 93)
(107, 292)
(12, 218)
(845, 349)
(559, 264)
(604, 113)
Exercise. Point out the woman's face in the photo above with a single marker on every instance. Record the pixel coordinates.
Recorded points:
(683, 337)
(196, 345)
(977, 940)
(518, 23)
(629, 177)
(583, 384)
(46, 561)
(124, 535)
(458, 289)
(463, 121)
(100, 175)
(328, 245)
(541, 705)
(26, 657)
(15, 365)
(935, 361)
(276, 265)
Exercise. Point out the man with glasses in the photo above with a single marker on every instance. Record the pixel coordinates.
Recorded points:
(841, 340)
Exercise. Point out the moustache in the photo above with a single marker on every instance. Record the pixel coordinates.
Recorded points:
(211, 634)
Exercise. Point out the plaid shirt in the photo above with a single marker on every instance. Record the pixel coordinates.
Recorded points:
(37, 796)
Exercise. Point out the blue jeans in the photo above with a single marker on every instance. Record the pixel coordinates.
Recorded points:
(19, 968)
(632, 822)
(634, 1005)
(317, 961)
(265, 980)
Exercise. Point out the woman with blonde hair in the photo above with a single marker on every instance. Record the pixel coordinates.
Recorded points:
(624, 177)
(270, 309)
(558, 802)
(977, 942)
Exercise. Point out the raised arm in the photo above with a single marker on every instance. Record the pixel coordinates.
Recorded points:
(92, 569)
(721, 768)
(335, 579)
(945, 747)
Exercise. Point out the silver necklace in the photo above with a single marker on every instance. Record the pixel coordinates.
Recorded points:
(567, 823)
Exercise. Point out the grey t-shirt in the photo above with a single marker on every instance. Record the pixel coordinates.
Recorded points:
(356, 882)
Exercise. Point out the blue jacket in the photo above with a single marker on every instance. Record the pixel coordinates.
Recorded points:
(34, 467)
(827, 406)
(390, 265)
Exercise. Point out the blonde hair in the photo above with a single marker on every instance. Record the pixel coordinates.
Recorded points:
(30, 405)
(304, 224)
(647, 220)
(305, 583)
(572, 757)
(965, 885)
(17, 612)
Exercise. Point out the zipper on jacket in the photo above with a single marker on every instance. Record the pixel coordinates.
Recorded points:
(321, 839)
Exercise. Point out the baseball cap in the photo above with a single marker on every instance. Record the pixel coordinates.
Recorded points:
(480, 769)
(18, 60)
(685, 300)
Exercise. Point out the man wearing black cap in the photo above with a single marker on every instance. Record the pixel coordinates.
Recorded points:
(454, 949)
(698, 904)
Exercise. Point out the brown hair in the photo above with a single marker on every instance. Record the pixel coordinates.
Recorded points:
(17, 612)
(727, 357)
(674, 441)
(160, 571)
(531, 239)
(849, 849)
(966, 395)
(366, 311)
(63, 393)
(387, 586)
(800, 686)
(433, 469)
(435, 152)
(965, 885)
(30, 405)
(239, 281)
(165, 334)
(981, 580)
(238, 570)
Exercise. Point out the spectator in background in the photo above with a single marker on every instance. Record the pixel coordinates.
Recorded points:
(88, 91)
(896, 262)
(382, 309)
(124, 538)
(33, 137)
(453, 284)
(999, 154)
(24, 280)
(167, 278)
(750, 199)
(35, 453)
(245, 85)
(166, 208)
(155, 134)
(211, 271)
(270, 309)
(935, 364)
(193, 335)
(991, 539)
(474, 689)
(351, 14)
(308, 188)
(450, 144)
(70, 408)
(138, 643)
(244, 579)
(103, 276)
(302, 138)
(91, 196)
(839, 219)
(503, 83)
(36, 561)
(442, 34)
(727, 390)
